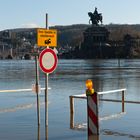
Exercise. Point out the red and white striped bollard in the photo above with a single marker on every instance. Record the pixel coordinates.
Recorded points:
(92, 111)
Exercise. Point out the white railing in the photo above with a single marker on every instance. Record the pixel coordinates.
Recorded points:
(19, 90)
(83, 96)
(112, 91)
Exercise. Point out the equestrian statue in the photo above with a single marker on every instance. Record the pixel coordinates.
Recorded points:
(95, 17)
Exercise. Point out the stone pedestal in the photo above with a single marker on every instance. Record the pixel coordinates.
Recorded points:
(95, 42)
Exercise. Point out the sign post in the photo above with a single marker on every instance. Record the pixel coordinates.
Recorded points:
(36, 86)
(48, 58)
(37, 90)
(46, 93)
(46, 100)
(48, 62)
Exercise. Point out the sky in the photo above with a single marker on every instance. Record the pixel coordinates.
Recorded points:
(32, 13)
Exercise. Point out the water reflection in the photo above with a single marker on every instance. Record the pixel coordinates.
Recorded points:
(38, 133)
(68, 79)
(94, 137)
(115, 133)
(46, 134)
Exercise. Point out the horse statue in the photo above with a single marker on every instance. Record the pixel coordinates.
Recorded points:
(95, 18)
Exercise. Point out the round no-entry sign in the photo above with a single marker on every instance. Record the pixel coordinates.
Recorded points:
(48, 60)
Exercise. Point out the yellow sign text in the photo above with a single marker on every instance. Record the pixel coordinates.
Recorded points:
(46, 38)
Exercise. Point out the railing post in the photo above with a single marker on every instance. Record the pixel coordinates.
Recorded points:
(123, 101)
(71, 112)
(93, 117)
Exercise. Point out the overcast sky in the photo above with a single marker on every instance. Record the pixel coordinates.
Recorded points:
(31, 13)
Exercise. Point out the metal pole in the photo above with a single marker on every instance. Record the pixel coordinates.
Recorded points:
(46, 99)
(37, 89)
(71, 112)
(122, 101)
(46, 85)
(46, 134)
(38, 133)
(46, 21)
(94, 137)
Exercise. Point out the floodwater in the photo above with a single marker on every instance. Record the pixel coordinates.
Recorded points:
(18, 117)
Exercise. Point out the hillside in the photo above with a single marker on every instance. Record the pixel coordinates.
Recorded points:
(69, 36)
(73, 34)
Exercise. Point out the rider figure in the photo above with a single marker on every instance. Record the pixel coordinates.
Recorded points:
(95, 12)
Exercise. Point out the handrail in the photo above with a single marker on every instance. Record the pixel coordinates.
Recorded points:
(99, 93)
(18, 90)
(111, 91)
(82, 96)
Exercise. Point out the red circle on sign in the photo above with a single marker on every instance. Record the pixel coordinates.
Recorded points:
(48, 60)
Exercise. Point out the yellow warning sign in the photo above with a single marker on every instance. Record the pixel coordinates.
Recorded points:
(46, 38)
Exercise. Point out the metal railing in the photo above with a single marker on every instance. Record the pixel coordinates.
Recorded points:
(19, 90)
(83, 96)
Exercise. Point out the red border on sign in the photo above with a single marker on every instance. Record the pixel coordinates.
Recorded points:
(55, 60)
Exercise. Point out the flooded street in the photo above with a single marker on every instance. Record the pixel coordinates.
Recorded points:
(18, 118)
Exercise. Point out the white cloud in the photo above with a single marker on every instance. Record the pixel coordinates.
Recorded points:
(29, 25)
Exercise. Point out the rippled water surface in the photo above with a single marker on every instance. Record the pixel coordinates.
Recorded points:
(18, 119)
